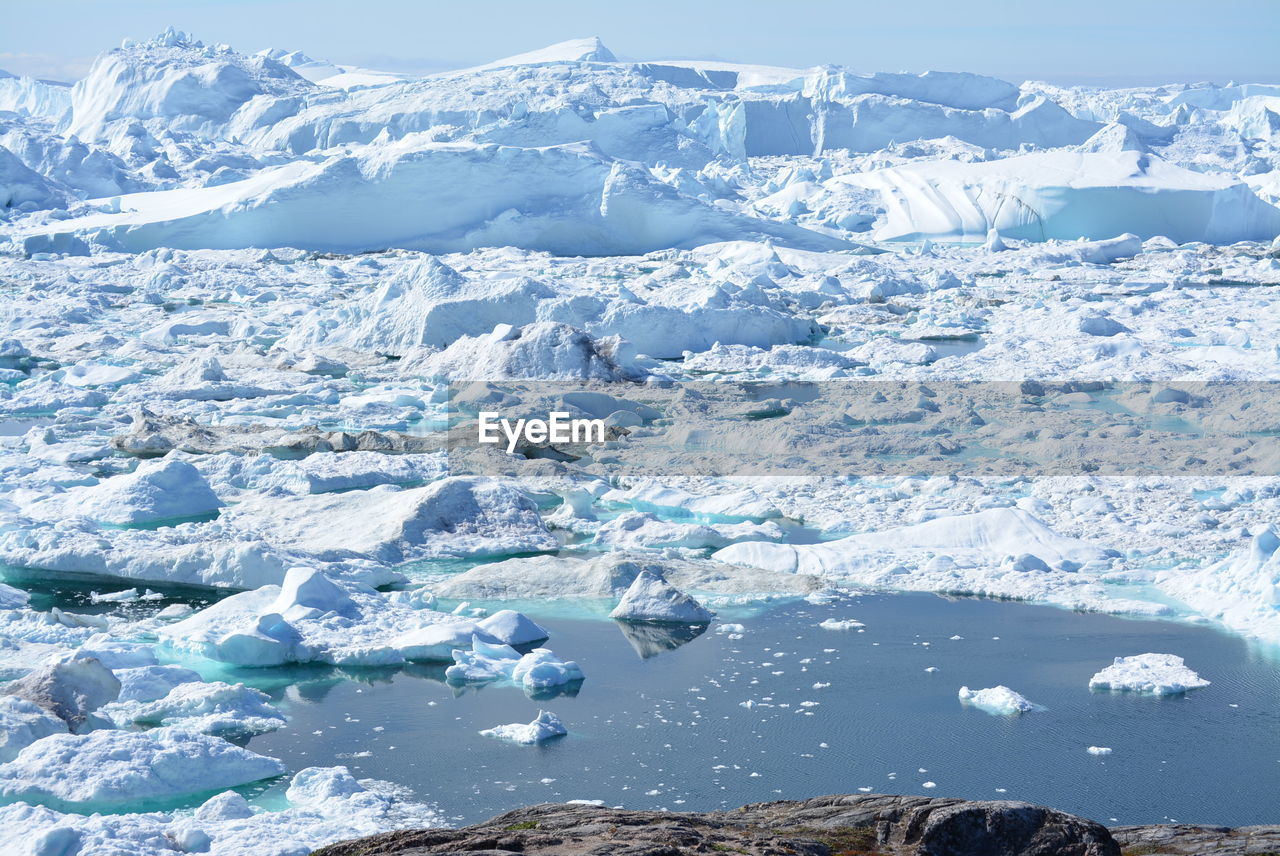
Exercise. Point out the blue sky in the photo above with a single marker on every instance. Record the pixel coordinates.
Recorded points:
(1077, 41)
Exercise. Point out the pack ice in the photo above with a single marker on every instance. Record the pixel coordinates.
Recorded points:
(239, 284)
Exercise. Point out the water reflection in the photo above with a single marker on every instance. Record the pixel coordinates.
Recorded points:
(650, 640)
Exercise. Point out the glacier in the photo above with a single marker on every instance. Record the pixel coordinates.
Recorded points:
(243, 291)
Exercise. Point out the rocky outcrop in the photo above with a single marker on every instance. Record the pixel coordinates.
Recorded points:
(1185, 840)
(825, 826)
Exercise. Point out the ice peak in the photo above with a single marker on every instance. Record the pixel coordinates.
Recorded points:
(590, 49)
(174, 38)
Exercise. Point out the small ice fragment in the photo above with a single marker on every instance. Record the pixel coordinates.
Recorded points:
(999, 700)
(1099, 750)
(544, 727)
(841, 624)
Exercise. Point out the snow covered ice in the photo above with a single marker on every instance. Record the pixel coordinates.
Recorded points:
(1151, 674)
(998, 701)
(243, 287)
(544, 727)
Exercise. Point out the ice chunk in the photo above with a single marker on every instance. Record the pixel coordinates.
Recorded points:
(1242, 591)
(1067, 195)
(22, 723)
(148, 683)
(652, 598)
(841, 624)
(214, 708)
(546, 726)
(544, 577)
(156, 490)
(544, 350)
(571, 51)
(513, 628)
(115, 653)
(438, 641)
(1099, 750)
(307, 592)
(453, 517)
(998, 700)
(424, 303)
(112, 768)
(540, 669)
(12, 598)
(1151, 674)
(70, 688)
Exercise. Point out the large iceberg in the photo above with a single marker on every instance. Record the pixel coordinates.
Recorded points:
(1065, 196)
(115, 768)
(416, 193)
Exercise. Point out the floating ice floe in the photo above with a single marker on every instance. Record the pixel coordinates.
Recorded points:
(998, 701)
(215, 708)
(651, 598)
(537, 671)
(116, 768)
(841, 624)
(546, 726)
(313, 619)
(1004, 552)
(1150, 674)
(322, 805)
(1099, 750)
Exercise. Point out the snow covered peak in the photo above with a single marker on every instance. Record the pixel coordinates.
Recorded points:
(590, 49)
(182, 83)
(172, 38)
(289, 59)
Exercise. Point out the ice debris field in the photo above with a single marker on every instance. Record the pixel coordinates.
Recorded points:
(236, 285)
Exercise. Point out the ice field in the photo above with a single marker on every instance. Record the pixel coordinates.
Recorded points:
(236, 287)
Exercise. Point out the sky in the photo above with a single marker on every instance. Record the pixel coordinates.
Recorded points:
(1104, 42)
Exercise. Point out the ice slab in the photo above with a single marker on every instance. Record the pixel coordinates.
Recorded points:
(544, 727)
(1149, 674)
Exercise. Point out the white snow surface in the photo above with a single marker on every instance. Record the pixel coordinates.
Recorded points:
(1149, 674)
(998, 700)
(651, 598)
(238, 286)
(114, 768)
(544, 727)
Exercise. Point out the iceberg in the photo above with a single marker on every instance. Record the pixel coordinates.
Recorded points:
(216, 708)
(1065, 196)
(105, 769)
(544, 727)
(536, 671)
(1148, 674)
(566, 199)
(650, 598)
(998, 701)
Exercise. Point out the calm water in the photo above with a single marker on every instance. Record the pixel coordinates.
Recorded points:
(669, 730)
